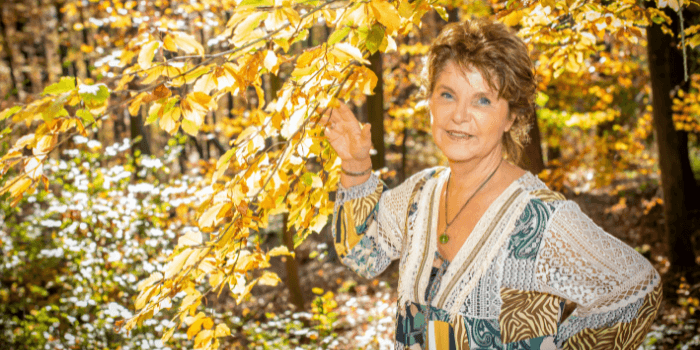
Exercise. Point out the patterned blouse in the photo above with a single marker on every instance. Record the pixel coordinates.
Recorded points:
(506, 288)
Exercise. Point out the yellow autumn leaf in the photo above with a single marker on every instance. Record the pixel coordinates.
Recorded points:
(246, 291)
(170, 121)
(206, 83)
(275, 20)
(247, 26)
(152, 74)
(345, 52)
(188, 43)
(203, 100)
(18, 187)
(269, 278)
(169, 43)
(222, 330)
(135, 105)
(150, 280)
(194, 329)
(293, 15)
(674, 4)
(512, 19)
(168, 334)
(194, 108)
(277, 251)
(123, 82)
(207, 323)
(45, 144)
(189, 239)
(261, 95)
(216, 278)
(368, 81)
(270, 62)
(208, 218)
(34, 168)
(143, 297)
(202, 338)
(176, 264)
(386, 14)
(318, 223)
(146, 54)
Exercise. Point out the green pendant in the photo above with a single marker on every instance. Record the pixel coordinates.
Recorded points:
(443, 238)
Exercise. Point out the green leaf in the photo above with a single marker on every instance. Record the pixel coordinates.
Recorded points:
(9, 112)
(363, 32)
(170, 104)
(308, 179)
(86, 116)
(94, 94)
(443, 14)
(257, 3)
(66, 84)
(374, 38)
(338, 35)
(301, 37)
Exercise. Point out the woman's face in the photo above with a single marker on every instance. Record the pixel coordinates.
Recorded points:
(468, 118)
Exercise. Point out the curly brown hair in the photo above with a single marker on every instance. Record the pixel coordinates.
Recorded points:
(503, 60)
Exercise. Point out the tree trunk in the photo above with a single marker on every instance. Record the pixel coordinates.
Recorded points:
(532, 160)
(677, 181)
(137, 130)
(375, 112)
(295, 295)
(14, 65)
(86, 42)
(50, 40)
(61, 30)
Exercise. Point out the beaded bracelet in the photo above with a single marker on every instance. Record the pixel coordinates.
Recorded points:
(351, 173)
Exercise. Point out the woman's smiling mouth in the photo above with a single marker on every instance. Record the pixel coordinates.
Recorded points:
(458, 134)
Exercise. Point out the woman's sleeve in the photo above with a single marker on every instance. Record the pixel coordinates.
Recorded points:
(369, 224)
(617, 291)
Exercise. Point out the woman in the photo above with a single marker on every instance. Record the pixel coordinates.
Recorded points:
(488, 255)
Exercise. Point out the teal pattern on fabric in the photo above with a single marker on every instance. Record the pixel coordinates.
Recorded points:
(484, 334)
(411, 325)
(366, 258)
(527, 236)
(361, 229)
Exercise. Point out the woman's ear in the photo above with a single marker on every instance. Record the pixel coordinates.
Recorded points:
(510, 120)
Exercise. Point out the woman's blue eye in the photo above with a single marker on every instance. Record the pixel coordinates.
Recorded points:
(446, 95)
(484, 101)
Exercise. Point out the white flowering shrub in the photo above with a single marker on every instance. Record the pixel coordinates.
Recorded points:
(74, 252)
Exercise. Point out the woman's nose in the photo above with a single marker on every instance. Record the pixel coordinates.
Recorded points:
(462, 114)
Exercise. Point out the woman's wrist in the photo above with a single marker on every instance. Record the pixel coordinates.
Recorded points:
(356, 165)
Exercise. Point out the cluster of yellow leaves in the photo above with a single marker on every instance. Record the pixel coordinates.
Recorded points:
(686, 107)
(277, 164)
(64, 106)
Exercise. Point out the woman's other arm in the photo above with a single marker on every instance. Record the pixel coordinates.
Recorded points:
(617, 291)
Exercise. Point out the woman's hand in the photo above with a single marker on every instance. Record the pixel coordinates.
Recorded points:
(351, 141)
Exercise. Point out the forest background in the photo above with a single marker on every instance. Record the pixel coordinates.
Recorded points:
(162, 167)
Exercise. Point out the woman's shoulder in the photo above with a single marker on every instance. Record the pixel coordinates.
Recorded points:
(425, 175)
(537, 189)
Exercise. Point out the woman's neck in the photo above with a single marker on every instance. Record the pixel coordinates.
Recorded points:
(467, 176)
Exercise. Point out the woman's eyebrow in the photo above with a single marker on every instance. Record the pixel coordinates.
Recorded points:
(484, 94)
(444, 87)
